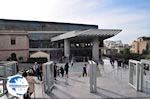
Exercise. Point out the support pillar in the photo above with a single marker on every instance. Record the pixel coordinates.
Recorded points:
(95, 50)
(67, 49)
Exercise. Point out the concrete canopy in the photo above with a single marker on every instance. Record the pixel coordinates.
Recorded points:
(89, 34)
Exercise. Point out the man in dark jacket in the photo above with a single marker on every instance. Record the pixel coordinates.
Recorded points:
(62, 71)
(84, 70)
(66, 69)
(55, 71)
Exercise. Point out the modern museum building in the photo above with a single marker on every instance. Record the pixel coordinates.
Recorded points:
(56, 39)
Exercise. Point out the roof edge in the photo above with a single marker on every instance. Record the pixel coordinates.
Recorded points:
(20, 20)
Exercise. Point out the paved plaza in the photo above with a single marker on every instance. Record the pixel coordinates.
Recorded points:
(111, 83)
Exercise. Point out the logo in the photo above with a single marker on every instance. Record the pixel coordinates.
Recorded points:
(17, 85)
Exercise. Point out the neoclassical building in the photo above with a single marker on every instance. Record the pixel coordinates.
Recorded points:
(140, 45)
(58, 39)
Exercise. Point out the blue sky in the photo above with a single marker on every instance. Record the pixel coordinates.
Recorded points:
(132, 16)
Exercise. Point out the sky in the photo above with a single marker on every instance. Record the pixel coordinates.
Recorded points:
(132, 16)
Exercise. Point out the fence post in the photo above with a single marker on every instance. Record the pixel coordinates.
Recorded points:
(93, 74)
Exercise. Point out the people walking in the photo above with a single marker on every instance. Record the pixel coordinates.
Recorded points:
(112, 61)
(31, 82)
(55, 71)
(119, 62)
(66, 69)
(84, 70)
(35, 68)
(58, 71)
(72, 61)
(39, 72)
(62, 71)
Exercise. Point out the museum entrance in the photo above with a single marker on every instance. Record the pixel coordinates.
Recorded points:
(81, 54)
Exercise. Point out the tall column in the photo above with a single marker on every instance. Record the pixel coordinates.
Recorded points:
(66, 48)
(95, 49)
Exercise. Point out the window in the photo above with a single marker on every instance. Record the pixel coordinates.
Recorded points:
(13, 40)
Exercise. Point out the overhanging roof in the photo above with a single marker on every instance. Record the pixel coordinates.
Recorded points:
(88, 33)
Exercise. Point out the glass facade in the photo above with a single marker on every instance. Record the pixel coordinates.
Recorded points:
(42, 40)
(43, 44)
(81, 51)
(81, 45)
(42, 26)
(42, 36)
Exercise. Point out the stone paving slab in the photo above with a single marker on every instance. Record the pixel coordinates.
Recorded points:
(112, 83)
(107, 88)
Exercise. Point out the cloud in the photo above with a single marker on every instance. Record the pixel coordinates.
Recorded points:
(105, 13)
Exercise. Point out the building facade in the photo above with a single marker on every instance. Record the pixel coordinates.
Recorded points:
(113, 44)
(114, 47)
(140, 45)
(57, 39)
(14, 42)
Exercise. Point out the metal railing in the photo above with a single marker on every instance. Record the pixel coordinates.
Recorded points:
(7, 68)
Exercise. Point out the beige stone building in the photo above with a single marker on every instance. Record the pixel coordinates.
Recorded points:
(14, 42)
(141, 44)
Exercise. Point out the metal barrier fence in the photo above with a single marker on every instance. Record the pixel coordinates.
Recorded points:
(3, 89)
(147, 87)
(146, 67)
(136, 74)
(93, 76)
(7, 68)
(48, 76)
(139, 75)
